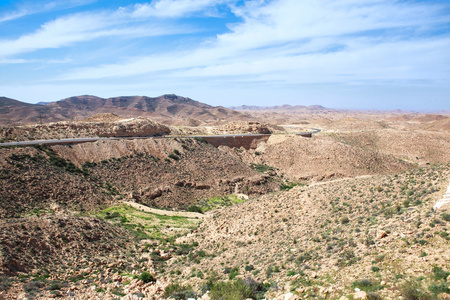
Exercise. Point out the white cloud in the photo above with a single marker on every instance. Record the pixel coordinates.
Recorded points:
(282, 43)
(173, 8)
(83, 27)
(32, 8)
(303, 42)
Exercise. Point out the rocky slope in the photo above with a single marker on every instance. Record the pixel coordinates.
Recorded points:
(37, 179)
(321, 240)
(50, 243)
(167, 172)
(331, 155)
(159, 172)
(364, 238)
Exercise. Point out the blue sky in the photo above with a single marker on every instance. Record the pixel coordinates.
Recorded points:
(374, 54)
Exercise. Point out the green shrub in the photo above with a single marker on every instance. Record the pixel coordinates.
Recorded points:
(439, 288)
(195, 208)
(375, 269)
(446, 217)
(260, 168)
(249, 268)
(179, 292)
(233, 273)
(55, 286)
(423, 254)
(439, 273)
(146, 277)
(230, 290)
(287, 186)
(291, 273)
(269, 271)
(112, 216)
(366, 285)
(201, 140)
(373, 296)
(412, 291)
(173, 156)
(444, 234)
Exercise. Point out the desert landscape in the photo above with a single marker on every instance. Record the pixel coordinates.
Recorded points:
(177, 199)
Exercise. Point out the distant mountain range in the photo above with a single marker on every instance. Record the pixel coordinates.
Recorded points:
(277, 107)
(171, 109)
(168, 109)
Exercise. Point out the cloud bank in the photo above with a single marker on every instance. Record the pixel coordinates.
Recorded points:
(280, 43)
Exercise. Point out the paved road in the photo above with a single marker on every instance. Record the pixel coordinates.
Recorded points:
(73, 141)
(95, 139)
(313, 130)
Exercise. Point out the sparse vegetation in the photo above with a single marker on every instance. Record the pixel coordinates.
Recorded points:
(261, 168)
(217, 202)
(66, 228)
(146, 277)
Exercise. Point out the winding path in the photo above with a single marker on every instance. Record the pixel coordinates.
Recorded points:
(156, 211)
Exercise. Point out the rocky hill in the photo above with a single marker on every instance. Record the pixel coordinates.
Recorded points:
(46, 245)
(18, 113)
(168, 109)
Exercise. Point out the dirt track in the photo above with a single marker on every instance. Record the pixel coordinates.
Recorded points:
(165, 212)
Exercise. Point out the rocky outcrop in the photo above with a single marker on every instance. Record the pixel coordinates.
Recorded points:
(62, 130)
(245, 127)
(244, 141)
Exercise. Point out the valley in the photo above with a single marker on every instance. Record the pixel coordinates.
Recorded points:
(344, 214)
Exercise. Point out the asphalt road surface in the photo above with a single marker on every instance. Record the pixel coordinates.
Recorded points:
(95, 139)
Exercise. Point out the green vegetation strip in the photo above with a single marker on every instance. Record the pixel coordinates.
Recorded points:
(148, 225)
(215, 203)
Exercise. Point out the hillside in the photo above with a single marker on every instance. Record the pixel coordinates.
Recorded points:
(345, 214)
(18, 113)
(377, 233)
(4, 102)
(162, 173)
